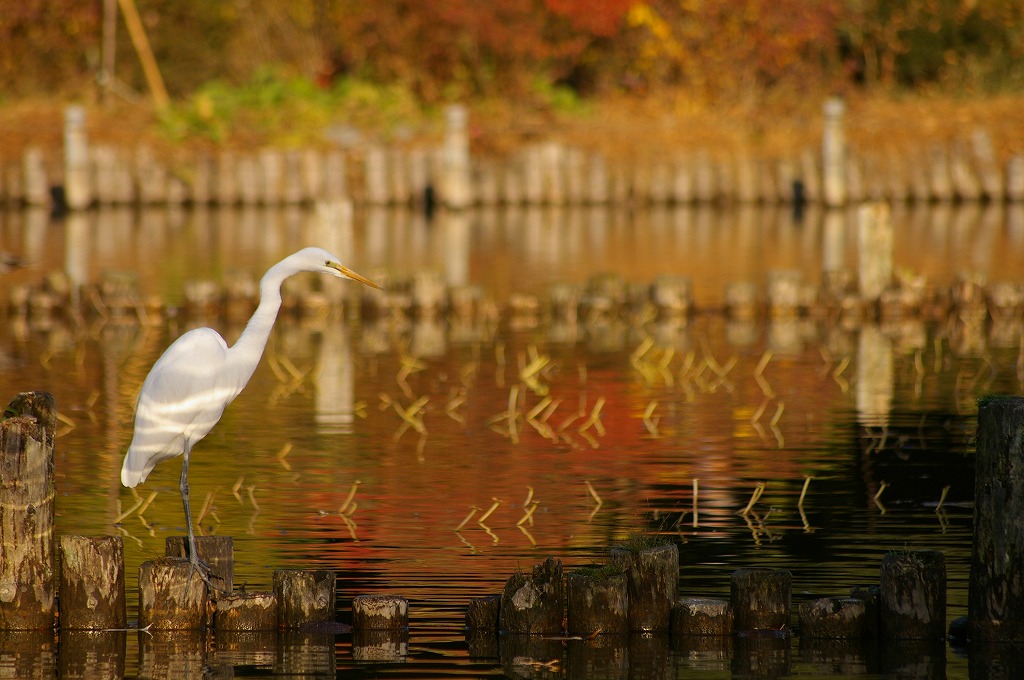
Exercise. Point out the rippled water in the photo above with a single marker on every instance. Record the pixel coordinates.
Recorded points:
(693, 416)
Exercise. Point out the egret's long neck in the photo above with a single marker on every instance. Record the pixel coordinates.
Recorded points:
(244, 355)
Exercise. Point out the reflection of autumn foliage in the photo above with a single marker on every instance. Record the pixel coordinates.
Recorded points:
(460, 48)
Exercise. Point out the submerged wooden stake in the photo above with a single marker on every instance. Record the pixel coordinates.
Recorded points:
(92, 583)
(27, 586)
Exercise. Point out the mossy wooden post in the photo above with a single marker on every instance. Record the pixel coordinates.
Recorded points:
(652, 576)
(761, 599)
(218, 552)
(246, 612)
(534, 603)
(913, 595)
(28, 588)
(597, 601)
(171, 597)
(304, 597)
(702, 616)
(995, 598)
(92, 582)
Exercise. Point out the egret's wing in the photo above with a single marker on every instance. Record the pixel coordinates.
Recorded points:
(182, 398)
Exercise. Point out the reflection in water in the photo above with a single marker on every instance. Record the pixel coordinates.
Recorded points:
(711, 408)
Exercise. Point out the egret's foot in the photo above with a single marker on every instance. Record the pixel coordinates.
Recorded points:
(200, 567)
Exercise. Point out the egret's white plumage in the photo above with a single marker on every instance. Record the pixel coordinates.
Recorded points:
(195, 379)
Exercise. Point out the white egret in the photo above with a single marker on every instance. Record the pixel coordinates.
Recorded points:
(195, 379)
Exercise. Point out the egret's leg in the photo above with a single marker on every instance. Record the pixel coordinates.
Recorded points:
(197, 565)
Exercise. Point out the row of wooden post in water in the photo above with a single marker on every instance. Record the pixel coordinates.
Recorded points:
(874, 290)
(636, 591)
(539, 173)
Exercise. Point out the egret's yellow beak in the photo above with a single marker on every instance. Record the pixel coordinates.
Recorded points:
(348, 273)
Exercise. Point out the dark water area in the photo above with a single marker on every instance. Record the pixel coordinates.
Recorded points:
(638, 425)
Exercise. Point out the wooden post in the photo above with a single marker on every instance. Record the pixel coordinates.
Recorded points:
(833, 153)
(27, 586)
(834, 618)
(217, 551)
(35, 184)
(996, 587)
(171, 597)
(77, 182)
(652, 575)
(304, 597)
(456, 189)
(246, 612)
(672, 295)
(534, 603)
(1015, 178)
(702, 616)
(761, 599)
(597, 601)
(92, 583)
(482, 613)
(913, 595)
(380, 612)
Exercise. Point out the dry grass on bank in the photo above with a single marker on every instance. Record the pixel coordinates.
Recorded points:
(619, 126)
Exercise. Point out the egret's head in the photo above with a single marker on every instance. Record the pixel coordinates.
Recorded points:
(322, 261)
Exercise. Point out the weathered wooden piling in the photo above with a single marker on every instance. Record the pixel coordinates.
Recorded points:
(869, 595)
(92, 594)
(597, 601)
(482, 613)
(652, 577)
(702, 616)
(304, 597)
(834, 618)
(761, 599)
(534, 603)
(913, 595)
(218, 552)
(35, 187)
(996, 586)
(246, 612)
(171, 597)
(28, 586)
(380, 612)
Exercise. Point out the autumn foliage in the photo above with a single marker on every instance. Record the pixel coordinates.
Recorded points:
(463, 48)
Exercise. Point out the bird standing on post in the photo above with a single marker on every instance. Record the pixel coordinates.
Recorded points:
(195, 379)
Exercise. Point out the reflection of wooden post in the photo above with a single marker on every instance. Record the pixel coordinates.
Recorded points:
(874, 250)
(996, 590)
(27, 587)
